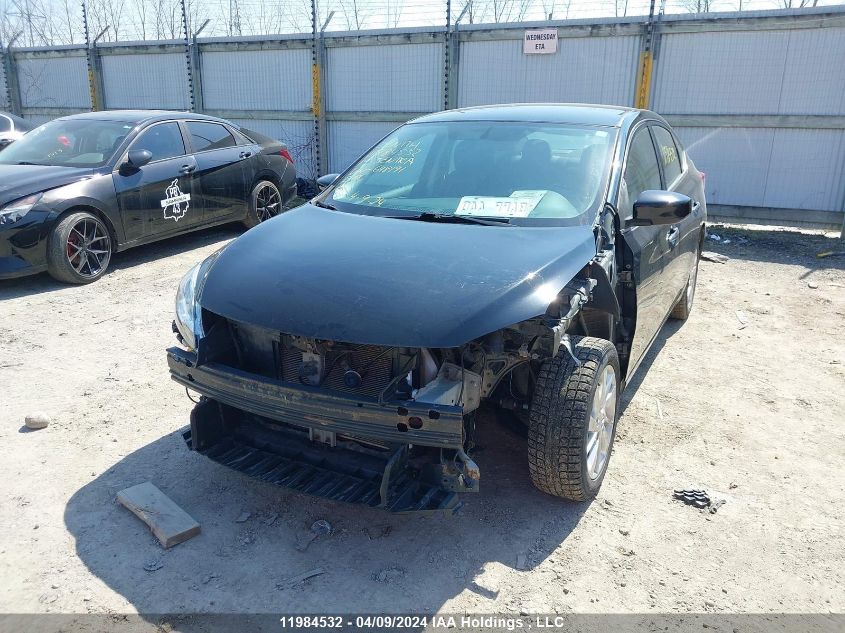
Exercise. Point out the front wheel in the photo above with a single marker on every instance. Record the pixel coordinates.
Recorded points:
(572, 419)
(79, 249)
(265, 202)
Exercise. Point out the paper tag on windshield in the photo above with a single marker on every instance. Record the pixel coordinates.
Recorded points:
(518, 205)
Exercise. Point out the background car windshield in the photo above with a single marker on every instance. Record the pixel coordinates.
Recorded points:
(516, 170)
(69, 142)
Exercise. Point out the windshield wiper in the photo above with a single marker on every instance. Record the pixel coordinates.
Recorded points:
(26, 162)
(323, 205)
(457, 219)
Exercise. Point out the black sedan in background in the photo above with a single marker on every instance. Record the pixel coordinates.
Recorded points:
(77, 189)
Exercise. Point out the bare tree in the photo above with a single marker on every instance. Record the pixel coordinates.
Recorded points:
(798, 4)
(621, 8)
(696, 6)
(552, 6)
(355, 14)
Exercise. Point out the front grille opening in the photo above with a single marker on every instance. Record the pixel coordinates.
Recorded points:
(362, 370)
(373, 363)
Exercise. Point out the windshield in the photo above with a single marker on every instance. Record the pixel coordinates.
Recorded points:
(530, 173)
(68, 142)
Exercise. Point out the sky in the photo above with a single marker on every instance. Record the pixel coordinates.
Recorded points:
(51, 22)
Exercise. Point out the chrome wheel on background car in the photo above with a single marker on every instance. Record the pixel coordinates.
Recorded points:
(265, 203)
(79, 250)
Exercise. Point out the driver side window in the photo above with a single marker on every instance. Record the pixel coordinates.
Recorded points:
(641, 172)
(163, 140)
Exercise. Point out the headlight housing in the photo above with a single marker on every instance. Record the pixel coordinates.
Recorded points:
(188, 310)
(15, 210)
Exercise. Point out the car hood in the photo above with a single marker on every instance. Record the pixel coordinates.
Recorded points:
(18, 181)
(339, 276)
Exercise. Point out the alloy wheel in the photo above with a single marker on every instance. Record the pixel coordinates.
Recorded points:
(602, 419)
(88, 247)
(268, 202)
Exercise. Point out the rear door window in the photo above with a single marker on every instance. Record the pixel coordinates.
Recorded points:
(206, 136)
(669, 156)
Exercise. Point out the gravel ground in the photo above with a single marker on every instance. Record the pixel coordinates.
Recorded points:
(752, 412)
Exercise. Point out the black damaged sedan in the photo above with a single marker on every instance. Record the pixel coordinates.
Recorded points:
(522, 258)
(80, 188)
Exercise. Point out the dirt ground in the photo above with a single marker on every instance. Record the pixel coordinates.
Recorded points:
(752, 412)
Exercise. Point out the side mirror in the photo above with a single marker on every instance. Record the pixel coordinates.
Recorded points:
(137, 158)
(325, 181)
(660, 207)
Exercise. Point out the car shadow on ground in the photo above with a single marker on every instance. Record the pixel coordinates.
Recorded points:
(669, 329)
(373, 561)
(37, 284)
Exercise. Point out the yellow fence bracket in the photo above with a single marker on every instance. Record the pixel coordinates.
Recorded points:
(643, 80)
(315, 89)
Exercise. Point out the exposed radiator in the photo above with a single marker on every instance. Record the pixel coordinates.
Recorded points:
(374, 363)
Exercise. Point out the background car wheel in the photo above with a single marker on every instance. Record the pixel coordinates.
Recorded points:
(79, 250)
(264, 203)
(573, 420)
(683, 308)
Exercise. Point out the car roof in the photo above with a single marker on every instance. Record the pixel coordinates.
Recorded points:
(579, 113)
(139, 116)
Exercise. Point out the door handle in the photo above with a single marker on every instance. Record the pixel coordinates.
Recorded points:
(187, 169)
(245, 154)
(672, 236)
(695, 205)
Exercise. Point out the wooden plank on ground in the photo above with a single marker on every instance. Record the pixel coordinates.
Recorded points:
(170, 524)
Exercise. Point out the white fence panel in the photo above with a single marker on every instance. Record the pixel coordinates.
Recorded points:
(146, 81)
(388, 78)
(584, 70)
(257, 80)
(53, 82)
(349, 139)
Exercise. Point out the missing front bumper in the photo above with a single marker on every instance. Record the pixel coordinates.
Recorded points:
(284, 457)
(260, 427)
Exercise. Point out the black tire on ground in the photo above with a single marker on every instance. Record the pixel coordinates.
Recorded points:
(265, 201)
(79, 249)
(559, 434)
(682, 309)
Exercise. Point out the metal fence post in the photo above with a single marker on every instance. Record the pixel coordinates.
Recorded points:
(13, 88)
(189, 61)
(316, 101)
(196, 74)
(642, 91)
(453, 60)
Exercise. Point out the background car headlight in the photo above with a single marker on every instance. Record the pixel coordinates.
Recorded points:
(14, 211)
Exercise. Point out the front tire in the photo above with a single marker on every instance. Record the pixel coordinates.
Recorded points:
(265, 202)
(572, 419)
(79, 249)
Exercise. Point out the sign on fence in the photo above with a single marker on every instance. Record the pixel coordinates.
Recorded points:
(540, 41)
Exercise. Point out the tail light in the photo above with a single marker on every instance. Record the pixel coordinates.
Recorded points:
(286, 155)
